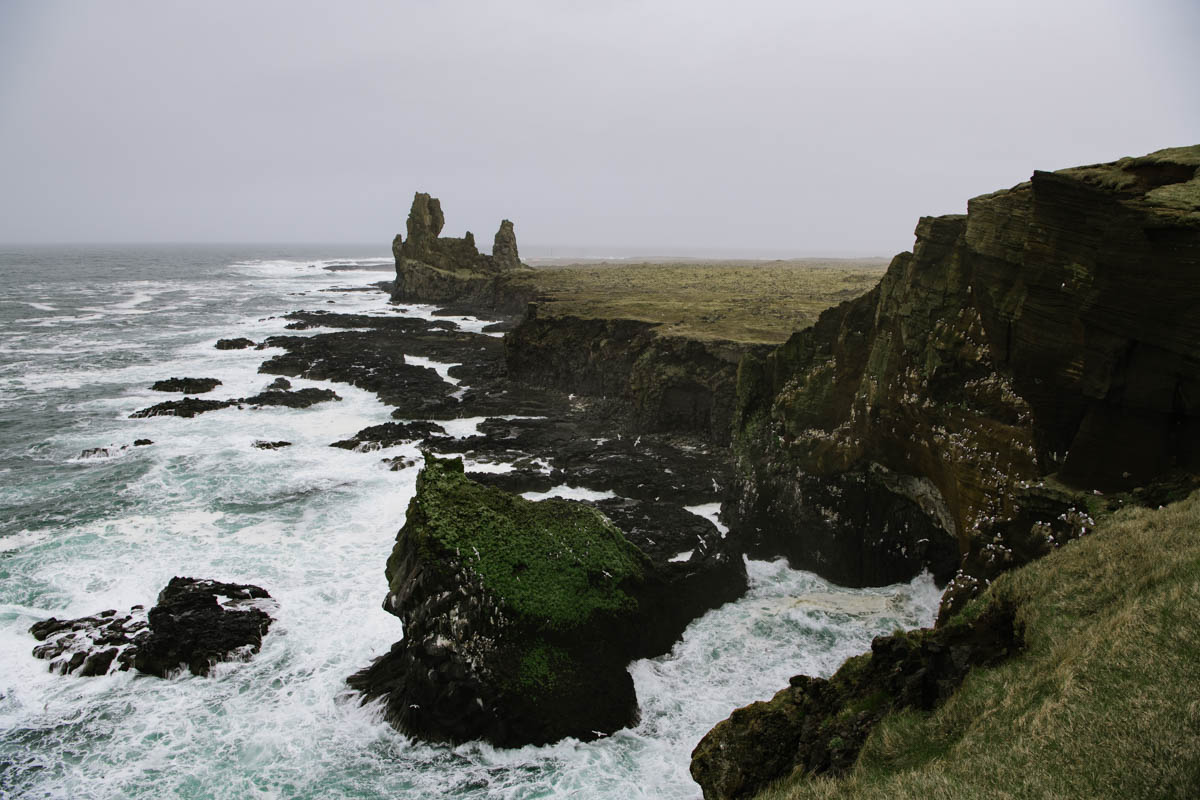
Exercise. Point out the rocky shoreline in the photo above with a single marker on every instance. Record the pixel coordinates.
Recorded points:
(1029, 365)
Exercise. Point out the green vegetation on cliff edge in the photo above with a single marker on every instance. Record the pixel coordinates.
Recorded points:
(1102, 703)
(555, 563)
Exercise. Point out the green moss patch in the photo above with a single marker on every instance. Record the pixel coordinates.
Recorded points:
(555, 563)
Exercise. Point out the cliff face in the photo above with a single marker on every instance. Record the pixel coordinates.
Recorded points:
(431, 268)
(1052, 329)
(669, 384)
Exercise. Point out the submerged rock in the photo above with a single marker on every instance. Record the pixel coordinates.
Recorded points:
(519, 617)
(195, 624)
(265, 445)
(240, 343)
(186, 385)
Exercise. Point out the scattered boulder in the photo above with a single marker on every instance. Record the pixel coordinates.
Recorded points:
(142, 442)
(195, 624)
(280, 384)
(186, 385)
(390, 434)
(241, 343)
(95, 452)
(265, 445)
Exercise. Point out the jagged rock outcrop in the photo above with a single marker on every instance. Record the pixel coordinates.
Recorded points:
(1050, 330)
(431, 268)
(520, 617)
(818, 726)
(195, 624)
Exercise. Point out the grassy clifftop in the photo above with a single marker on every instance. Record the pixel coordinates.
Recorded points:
(1102, 703)
(741, 301)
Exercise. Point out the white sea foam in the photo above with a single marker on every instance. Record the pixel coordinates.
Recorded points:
(569, 493)
(314, 525)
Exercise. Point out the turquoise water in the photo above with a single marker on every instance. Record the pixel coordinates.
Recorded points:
(83, 333)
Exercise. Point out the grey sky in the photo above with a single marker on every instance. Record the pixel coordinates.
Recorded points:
(802, 128)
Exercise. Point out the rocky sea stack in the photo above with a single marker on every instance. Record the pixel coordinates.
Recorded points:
(431, 268)
(520, 617)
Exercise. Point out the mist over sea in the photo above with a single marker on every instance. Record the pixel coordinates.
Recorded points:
(84, 331)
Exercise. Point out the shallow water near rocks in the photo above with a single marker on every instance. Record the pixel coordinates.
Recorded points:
(84, 333)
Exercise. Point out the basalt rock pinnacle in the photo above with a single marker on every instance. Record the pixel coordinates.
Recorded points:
(431, 268)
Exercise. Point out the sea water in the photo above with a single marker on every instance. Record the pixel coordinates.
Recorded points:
(83, 333)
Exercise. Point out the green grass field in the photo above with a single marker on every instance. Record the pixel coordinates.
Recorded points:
(1104, 702)
(741, 301)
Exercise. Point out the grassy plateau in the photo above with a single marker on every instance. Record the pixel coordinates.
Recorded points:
(740, 301)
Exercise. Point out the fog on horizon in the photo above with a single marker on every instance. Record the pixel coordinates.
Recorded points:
(763, 128)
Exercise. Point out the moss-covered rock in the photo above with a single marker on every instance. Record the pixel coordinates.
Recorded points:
(818, 726)
(519, 617)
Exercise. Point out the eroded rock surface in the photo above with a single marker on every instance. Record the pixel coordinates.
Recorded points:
(1050, 330)
(520, 617)
(431, 268)
(195, 624)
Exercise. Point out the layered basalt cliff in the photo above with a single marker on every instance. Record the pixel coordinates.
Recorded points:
(1050, 330)
(431, 268)
(667, 383)
(1021, 361)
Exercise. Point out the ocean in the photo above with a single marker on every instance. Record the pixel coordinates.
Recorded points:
(84, 331)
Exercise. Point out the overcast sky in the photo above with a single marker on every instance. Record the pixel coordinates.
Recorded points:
(755, 127)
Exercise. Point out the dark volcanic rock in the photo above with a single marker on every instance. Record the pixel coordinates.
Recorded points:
(142, 442)
(330, 319)
(431, 268)
(300, 398)
(1050, 330)
(186, 385)
(669, 384)
(818, 726)
(265, 445)
(190, 406)
(281, 384)
(240, 343)
(389, 434)
(520, 617)
(90, 646)
(582, 450)
(188, 627)
(187, 407)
